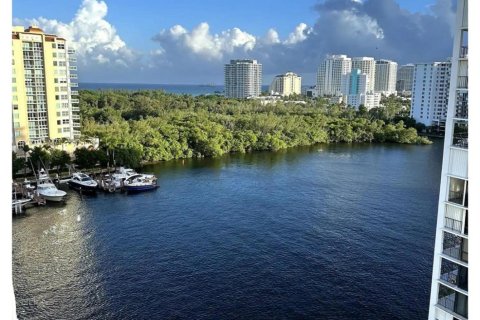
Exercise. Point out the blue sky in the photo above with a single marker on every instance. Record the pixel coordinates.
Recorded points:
(165, 42)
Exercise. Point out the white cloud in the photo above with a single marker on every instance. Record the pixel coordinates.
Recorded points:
(94, 39)
(271, 37)
(201, 42)
(300, 33)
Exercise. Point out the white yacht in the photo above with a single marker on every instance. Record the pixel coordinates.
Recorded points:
(82, 182)
(47, 189)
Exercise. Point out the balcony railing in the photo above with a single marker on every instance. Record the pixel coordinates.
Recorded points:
(464, 52)
(71, 51)
(74, 93)
(73, 84)
(462, 82)
(453, 224)
(72, 68)
(75, 100)
(73, 76)
(75, 109)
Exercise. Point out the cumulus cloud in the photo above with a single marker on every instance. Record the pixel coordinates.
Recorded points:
(95, 40)
(378, 28)
(202, 43)
(300, 33)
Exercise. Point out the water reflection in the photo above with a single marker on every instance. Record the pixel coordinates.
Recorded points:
(52, 253)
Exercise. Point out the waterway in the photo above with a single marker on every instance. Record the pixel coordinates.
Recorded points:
(321, 232)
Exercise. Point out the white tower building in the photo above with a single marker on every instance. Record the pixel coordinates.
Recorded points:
(329, 76)
(449, 294)
(243, 79)
(385, 77)
(430, 92)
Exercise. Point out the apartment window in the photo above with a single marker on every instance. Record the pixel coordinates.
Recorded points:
(453, 300)
(454, 274)
(455, 246)
(54, 45)
(458, 191)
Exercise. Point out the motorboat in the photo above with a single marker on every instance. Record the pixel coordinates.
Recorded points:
(47, 190)
(82, 182)
(116, 180)
(140, 182)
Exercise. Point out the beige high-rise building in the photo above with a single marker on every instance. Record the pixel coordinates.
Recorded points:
(366, 65)
(286, 84)
(44, 100)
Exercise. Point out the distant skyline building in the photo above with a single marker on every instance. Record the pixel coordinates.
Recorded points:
(385, 76)
(44, 99)
(430, 93)
(330, 74)
(366, 66)
(286, 84)
(243, 79)
(450, 285)
(405, 78)
(355, 90)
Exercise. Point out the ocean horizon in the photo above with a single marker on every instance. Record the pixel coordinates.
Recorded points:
(192, 89)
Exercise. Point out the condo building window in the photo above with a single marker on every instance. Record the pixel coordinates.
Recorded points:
(453, 300)
(455, 246)
(458, 191)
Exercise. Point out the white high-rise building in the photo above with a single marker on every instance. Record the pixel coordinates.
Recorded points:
(405, 78)
(330, 72)
(430, 92)
(449, 294)
(243, 79)
(367, 66)
(385, 77)
(286, 84)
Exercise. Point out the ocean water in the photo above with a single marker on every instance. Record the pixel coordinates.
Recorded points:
(321, 232)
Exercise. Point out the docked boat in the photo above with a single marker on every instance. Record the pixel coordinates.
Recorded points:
(47, 189)
(82, 182)
(140, 182)
(116, 180)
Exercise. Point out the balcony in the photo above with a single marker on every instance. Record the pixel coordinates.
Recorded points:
(73, 84)
(73, 76)
(460, 134)
(75, 100)
(71, 51)
(75, 117)
(456, 219)
(454, 274)
(76, 125)
(72, 60)
(463, 52)
(455, 246)
(75, 109)
(452, 300)
(462, 82)
(461, 106)
(74, 93)
(74, 68)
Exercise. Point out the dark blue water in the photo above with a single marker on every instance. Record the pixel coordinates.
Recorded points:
(324, 232)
